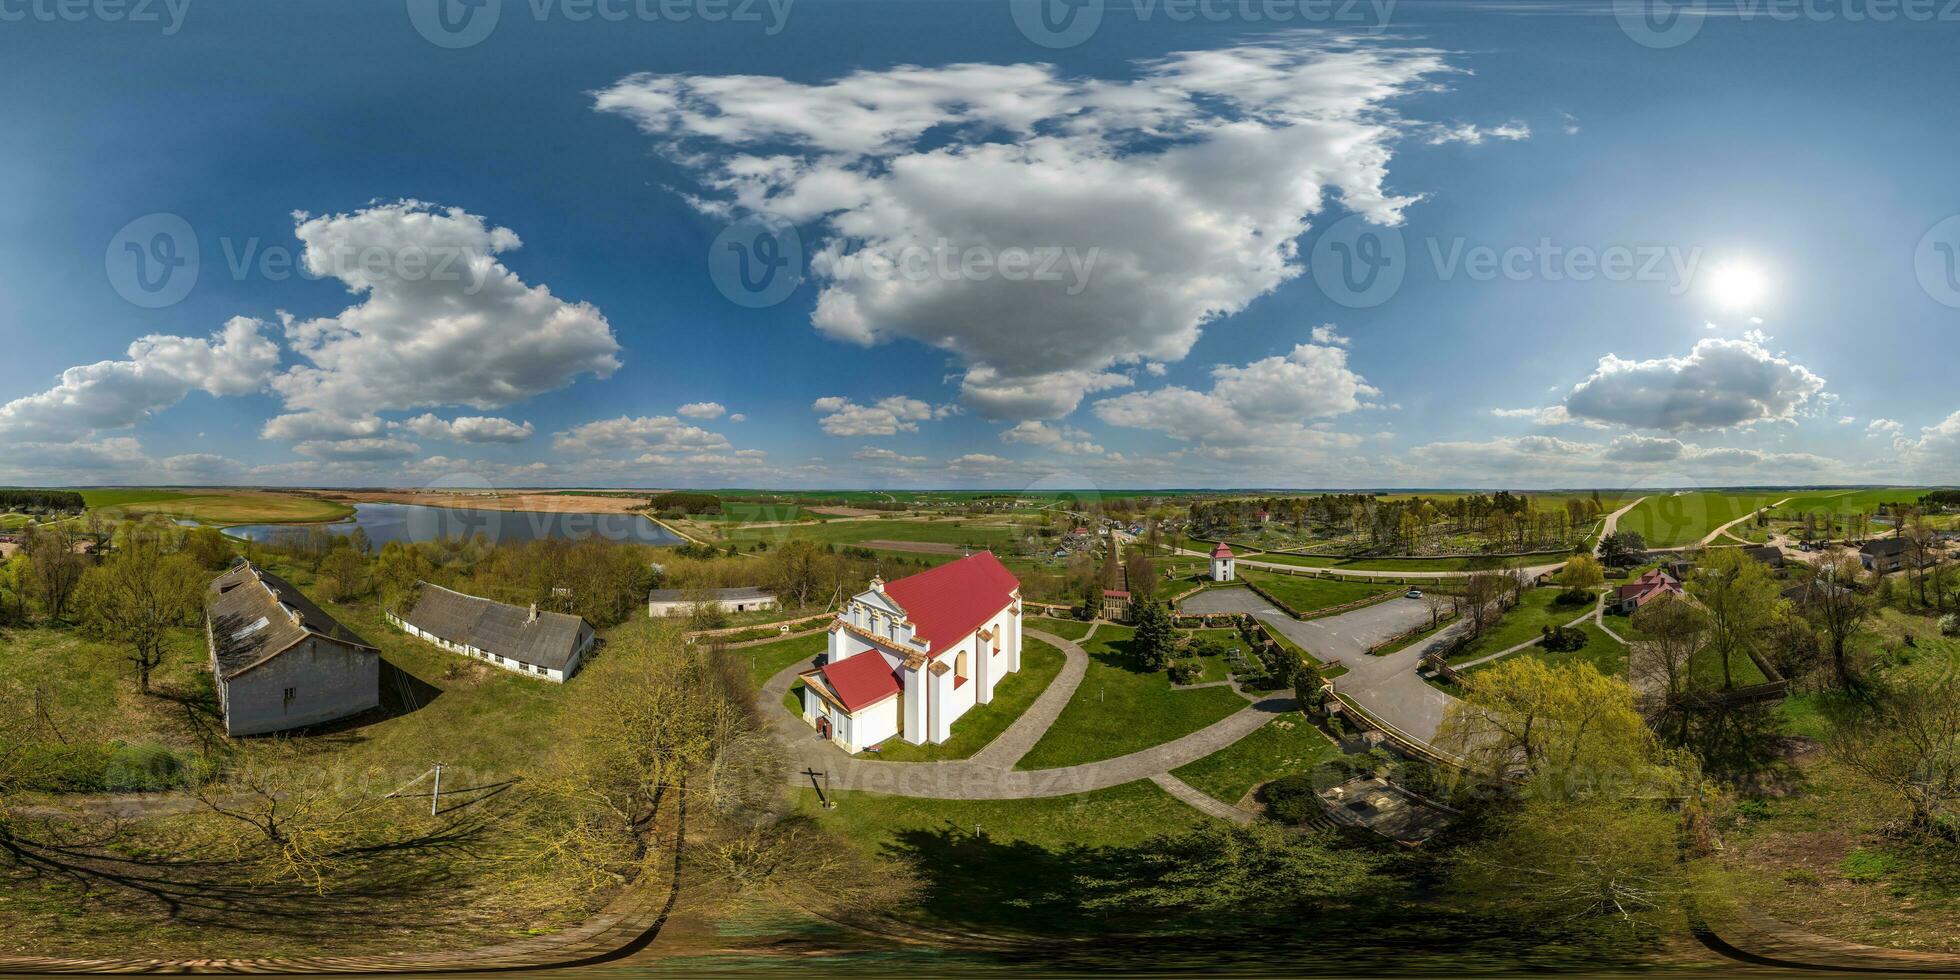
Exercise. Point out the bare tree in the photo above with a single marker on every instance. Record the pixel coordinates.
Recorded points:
(1905, 737)
(57, 568)
(137, 596)
(1832, 602)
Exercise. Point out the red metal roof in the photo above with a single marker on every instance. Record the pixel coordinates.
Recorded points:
(1222, 551)
(861, 680)
(949, 602)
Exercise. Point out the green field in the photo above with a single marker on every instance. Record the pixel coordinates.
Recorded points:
(1308, 594)
(1287, 745)
(984, 722)
(958, 533)
(227, 507)
(739, 512)
(1841, 503)
(1119, 709)
(119, 496)
(1671, 520)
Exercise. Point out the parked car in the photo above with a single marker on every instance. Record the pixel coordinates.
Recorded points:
(1415, 593)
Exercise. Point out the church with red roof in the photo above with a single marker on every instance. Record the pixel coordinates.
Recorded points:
(908, 657)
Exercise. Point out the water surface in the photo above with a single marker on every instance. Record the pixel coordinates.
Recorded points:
(416, 522)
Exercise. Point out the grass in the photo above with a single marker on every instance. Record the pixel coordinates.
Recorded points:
(1120, 709)
(1067, 629)
(1521, 624)
(754, 513)
(1669, 520)
(966, 533)
(1217, 667)
(1002, 865)
(1602, 651)
(766, 660)
(234, 507)
(984, 722)
(126, 495)
(1308, 594)
(1285, 746)
(1391, 564)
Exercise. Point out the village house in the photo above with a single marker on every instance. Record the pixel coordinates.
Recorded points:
(1116, 605)
(908, 657)
(1886, 555)
(547, 645)
(1648, 587)
(680, 602)
(1224, 567)
(278, 660)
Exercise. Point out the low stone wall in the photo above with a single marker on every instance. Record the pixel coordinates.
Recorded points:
(1317, 613)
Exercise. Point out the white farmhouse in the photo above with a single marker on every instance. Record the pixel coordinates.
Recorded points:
(545, 645)
(907, 658)
(680, 602)
(281, 662)
(1224, 567)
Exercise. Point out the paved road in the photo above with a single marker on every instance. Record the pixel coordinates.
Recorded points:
(987, 778)
(1533, 570)
(1386, 686)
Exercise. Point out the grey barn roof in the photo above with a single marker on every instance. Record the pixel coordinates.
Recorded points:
(243, 596)
(497, 628)
(1884, 547)
(725, 595)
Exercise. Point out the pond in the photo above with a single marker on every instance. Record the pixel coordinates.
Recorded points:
(415, 522)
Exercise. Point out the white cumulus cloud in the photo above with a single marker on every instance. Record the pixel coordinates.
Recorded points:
(1166, 198)
(159, 372)
(1720, 384)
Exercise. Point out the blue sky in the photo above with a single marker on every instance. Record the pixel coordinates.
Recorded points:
(519, 279)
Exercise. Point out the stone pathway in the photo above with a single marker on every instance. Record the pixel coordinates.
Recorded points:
(1200, 800)
(985, 776)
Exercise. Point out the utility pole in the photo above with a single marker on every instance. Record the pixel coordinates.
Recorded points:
(435, 796)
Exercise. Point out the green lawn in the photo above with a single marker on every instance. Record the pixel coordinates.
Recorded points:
(1602, 651)
(1308, 594)
(981, 725)
(1705, 669)
(1119, 709)
(1666, 520)
(960, 533)
(1067, 629)
(1285, 746)
(1004, 865)
(1521, 624)
(126, 495)
(765, 660)
(1218, 667)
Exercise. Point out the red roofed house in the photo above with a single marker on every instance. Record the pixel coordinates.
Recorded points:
(1223, 565)
(1645, 589)
(907, 658)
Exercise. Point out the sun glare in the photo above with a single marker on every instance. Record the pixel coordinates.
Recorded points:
(1737, 285)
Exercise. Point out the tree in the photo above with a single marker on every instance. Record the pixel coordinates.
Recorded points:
(57, 568)
(1903, 734)
(136, 597)
(1567, 730)
(1673, 630)
(1741, 600)
(1482, 594)
(343, 575)
(1623, 548)
(1141, 574)
(1156, 636)
(1582, 572)
(1599, 859)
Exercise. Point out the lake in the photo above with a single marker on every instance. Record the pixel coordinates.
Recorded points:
(415, 522)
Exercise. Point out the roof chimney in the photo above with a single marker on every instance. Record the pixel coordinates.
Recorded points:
(534, 614)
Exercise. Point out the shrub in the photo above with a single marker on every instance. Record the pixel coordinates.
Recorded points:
(1291, 799)
(1186, 671)
(1950, 625)
(1561, 639)
(1573, 597)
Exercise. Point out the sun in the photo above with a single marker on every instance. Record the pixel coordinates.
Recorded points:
(1737, 285)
